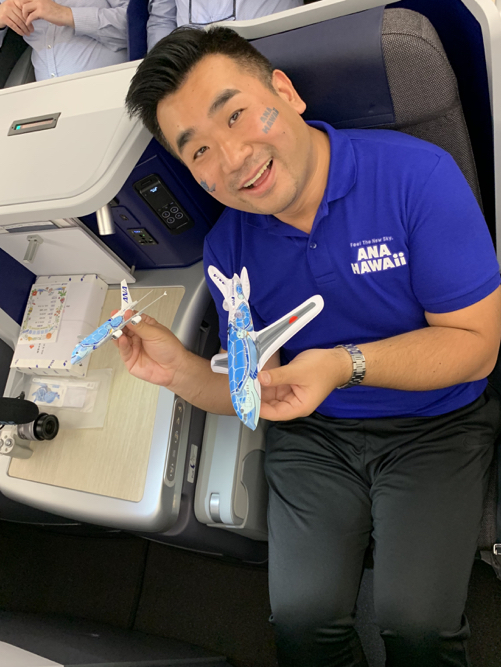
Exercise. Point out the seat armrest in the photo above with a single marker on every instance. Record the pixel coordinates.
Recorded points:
(232, 492)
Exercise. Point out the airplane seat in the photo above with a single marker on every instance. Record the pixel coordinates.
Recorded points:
(449, 130)
(421, 98)
(382, 68)
(377, 68)
(22, 72)
(463, 41)
(430, 108)
(424, 101)
(137, 18)
(461, 34)
(468, 37)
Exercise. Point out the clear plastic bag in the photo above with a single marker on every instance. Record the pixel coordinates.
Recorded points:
(76, 402)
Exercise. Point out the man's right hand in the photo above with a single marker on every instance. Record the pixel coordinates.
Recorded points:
(11, 16)
(150, 351)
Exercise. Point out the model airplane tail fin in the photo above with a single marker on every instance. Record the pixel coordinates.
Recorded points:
(244, 281)
(126, 300)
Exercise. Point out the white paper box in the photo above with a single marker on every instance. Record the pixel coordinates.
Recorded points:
(81, 314)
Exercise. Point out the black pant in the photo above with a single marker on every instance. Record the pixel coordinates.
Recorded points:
(417, 486)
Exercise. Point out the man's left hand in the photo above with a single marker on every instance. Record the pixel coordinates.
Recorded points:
(296, 390)
(48, 10)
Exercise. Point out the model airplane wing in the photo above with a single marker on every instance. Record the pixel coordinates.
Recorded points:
(271, 339)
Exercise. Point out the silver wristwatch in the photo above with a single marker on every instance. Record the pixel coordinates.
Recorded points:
(358, 361)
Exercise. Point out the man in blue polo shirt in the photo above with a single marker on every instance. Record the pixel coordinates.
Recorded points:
(383, 425)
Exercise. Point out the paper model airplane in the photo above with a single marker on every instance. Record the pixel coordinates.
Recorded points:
(112, 328)
(249, 350)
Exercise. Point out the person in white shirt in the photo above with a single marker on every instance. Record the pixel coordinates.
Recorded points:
(68, 38)
(166, 15)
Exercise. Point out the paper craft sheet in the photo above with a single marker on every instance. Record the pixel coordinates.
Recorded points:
(43, 313)
(81, 298)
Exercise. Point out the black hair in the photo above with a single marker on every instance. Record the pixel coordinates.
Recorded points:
(167, 66)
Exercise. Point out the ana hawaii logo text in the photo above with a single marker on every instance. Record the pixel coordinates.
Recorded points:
(376, 257)
(268, 118)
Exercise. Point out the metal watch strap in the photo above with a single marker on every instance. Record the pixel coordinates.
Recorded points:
(358, 361)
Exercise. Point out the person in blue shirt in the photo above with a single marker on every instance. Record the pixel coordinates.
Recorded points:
(382, 424)
(68, 38)
(166, 15)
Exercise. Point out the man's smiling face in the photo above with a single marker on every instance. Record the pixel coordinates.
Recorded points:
(243, 142)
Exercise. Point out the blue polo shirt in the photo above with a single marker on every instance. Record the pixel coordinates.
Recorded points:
(398, 232)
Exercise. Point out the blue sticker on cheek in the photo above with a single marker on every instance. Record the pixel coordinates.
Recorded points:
(207, 188)
(266, 114)
(268, 118)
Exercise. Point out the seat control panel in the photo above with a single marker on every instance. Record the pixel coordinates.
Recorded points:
(163, 204)
(175, 436)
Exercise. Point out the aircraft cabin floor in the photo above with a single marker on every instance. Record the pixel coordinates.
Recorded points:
(131, 583)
